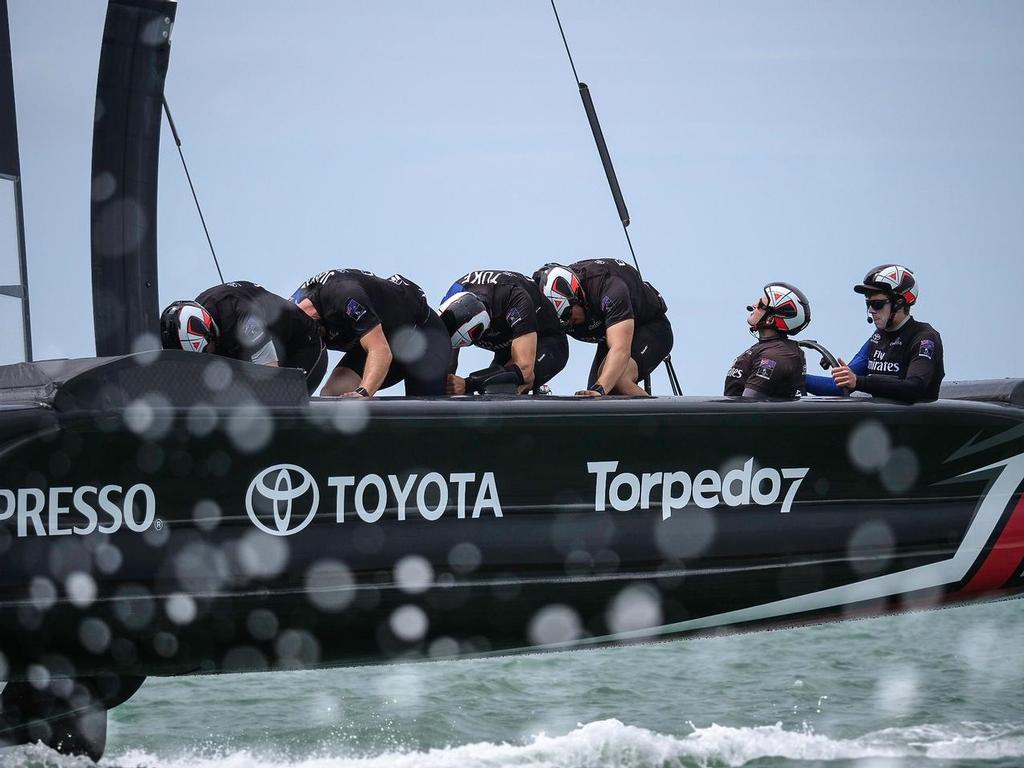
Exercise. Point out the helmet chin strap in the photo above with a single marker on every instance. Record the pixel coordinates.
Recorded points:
(897, 304)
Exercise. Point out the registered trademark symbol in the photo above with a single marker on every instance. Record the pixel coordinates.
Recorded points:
(158, 524)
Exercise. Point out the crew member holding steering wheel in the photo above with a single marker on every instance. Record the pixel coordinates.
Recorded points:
(903, 358)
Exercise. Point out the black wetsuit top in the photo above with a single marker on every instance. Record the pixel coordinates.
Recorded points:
(249, 318)
(905, 364)
(514, 303)
(774, 367)
(614, 292)
(351, 303)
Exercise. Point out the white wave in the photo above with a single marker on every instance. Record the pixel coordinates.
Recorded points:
(616, 745)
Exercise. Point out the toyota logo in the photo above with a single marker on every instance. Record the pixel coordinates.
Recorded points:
(277, 494)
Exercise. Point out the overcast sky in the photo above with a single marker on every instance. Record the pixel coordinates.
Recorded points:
(797, 141)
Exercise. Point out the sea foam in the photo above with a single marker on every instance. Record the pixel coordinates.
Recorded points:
(611, 743)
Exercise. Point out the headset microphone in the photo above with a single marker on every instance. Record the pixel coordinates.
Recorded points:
(870, 320)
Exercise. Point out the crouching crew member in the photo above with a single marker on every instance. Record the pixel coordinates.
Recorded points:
(775, 365)
(244, 321)
(605, 301)
(384, 326)
(903, 358)
(503, 312)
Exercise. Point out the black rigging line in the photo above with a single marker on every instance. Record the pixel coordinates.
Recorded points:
(177, 141)
(613, 183)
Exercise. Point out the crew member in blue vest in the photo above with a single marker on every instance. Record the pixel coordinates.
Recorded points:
(903, 358)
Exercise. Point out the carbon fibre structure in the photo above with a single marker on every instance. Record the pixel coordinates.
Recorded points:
(146, 538)
(125, 161)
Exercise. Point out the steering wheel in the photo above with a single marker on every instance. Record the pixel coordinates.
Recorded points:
(828, 360)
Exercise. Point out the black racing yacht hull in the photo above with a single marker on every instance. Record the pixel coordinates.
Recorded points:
(192, 530)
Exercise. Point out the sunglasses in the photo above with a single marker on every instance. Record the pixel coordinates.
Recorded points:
(760, 305)
(876, 304)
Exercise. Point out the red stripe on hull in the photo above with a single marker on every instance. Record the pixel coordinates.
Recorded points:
(1004, 558)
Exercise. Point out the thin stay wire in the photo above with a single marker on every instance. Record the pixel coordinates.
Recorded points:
(177, 141)
(613, 184)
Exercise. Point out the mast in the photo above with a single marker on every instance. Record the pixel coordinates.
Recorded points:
(12, 219)
(125, 165)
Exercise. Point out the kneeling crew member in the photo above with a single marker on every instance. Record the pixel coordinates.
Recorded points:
(244, 321)
(775, 365)
(606, 302)
(384, 326)
(903, 358)
(503, 312)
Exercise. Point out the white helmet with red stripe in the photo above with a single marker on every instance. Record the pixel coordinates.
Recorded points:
(187, 325)
(893, 279)
(786, 308)
(562, 288)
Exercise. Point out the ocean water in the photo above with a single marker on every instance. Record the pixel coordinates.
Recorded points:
(938, 688)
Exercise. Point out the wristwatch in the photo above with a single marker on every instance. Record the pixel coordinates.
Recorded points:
(595, 387)
(361, 391)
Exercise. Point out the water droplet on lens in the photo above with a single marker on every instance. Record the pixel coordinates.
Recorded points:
(554, 624)
(409, 623)
(414, 574)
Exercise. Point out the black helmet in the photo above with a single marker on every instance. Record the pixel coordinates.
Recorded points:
(893, 279)
(465, 317)
(187, 325)
(787, 309)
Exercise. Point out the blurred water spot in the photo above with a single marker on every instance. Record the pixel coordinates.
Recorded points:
(200, 567)
(262, 624)
(157, 535)
(81, 589)
(165, 644)
(108, 558)
(350, 416)
(297, 649)
(464, 557)
(217, 375)
(180, 608)
(250, 427)
(413, 574)
(896, 691)
(134, 606)
(38, 676)
(870, 547)
(94, 634)
(408, 344)
(146, 348)
(104, 184)
(201, 419)
(443, 647)
(869, 445)
(638, 606)
(330, 585)
(554, 624)
(138, 416)
(900, 473)
(409, 623)
(263, 556)
(684, 535)
(42, 593)
(206, 514)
